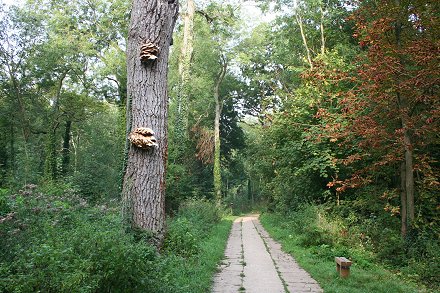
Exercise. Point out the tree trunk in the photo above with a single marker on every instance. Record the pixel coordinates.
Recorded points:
(409, 177)
(322, 30)
(51, 156)
(51, 160)
(218, 112)
(66, 149)
(303, 34)
(403, 211)
(184, 72)
(147, 106)
(13, 164)
(407, 140)
(185, 63)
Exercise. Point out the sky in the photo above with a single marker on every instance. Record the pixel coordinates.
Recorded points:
(9, 2)
(253, 14)
(250, 11)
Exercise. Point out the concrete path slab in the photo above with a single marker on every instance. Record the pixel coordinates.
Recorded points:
(255, 263)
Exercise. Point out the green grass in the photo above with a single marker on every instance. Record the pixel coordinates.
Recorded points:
(195, 274)
(364, 278)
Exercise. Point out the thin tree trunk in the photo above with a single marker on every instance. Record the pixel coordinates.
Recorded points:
(218, 112)
(147, 106)
(322, 30)
(403, 211)
(51, 160)
(304, 39)
(13, 164)
(409, 177)
(66, 148)
(407, 140)
(184, 66)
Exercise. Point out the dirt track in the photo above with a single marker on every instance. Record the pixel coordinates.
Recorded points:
(255, 263)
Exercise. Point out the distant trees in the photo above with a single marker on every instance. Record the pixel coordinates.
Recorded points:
(361, 120)
(200, 98)
(53, 86)
(393, 114)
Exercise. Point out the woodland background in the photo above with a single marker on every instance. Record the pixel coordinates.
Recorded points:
(329, 120)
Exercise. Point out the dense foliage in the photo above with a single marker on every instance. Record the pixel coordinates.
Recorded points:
(354, 129)
(328, 114)
(53, 240)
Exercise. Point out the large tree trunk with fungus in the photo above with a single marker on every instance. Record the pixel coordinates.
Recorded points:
(149, 38)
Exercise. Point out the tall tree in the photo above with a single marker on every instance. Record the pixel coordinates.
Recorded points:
(218, 113)
(149, 39)
(184, 66)
(392, 114)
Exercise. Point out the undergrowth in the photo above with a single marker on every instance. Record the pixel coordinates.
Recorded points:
(314, 235)
(53, 240)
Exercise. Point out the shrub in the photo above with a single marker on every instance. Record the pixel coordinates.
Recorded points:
(57, 243)
(200, 212)
(193, 221)
(182, 238)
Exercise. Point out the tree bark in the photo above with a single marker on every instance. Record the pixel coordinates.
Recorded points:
(218, 112)
(184, 66)
(403, 211)
(322, 30)
(404, 110)
(409, 177)
(147, 106)
(66, 149)
(51, 159)
(304, 39)
(303, 34)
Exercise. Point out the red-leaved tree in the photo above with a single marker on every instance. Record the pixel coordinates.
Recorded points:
(392, 118)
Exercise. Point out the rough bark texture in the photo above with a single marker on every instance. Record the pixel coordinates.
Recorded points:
(147, 106)
(218, 112)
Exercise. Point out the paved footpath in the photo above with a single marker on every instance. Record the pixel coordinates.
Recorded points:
(255, 263)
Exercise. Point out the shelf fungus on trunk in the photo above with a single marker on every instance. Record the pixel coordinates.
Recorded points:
(143, 137)
(149, 52)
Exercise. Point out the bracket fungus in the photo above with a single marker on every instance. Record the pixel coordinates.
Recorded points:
(149, 52)
(142, 137)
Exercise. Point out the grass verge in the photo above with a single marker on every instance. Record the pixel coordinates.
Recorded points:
(320, 264)
(195, 274)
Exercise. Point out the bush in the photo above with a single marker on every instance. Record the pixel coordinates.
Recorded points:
(57, 243)
(182, 238)
(311, 224)
(53, 240)
(200, 212)
(238, 204)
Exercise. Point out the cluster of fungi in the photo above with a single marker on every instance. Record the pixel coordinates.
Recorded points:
(149, 52)
(142, 137)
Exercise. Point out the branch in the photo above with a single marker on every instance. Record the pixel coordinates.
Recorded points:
(209, 19)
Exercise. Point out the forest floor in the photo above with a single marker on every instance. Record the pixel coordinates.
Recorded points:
(255, 263)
